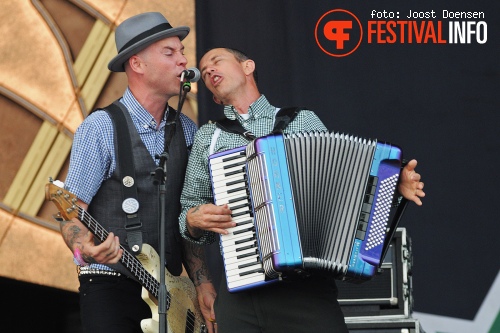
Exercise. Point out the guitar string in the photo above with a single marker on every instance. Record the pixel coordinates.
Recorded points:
(145, 276)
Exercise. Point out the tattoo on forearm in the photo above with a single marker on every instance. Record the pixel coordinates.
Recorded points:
(70, 233)
(194, 259)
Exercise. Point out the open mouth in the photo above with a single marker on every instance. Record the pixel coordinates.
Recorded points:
(216, 79)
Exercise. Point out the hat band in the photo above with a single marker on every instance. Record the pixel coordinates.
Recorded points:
(147, 33)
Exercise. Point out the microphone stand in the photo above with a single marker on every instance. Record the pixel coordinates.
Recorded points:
(160, 179)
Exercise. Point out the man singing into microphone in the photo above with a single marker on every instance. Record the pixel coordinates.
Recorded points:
(297, 305)
(151, 54)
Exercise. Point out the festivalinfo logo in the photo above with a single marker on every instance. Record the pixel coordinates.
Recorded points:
(339, 32)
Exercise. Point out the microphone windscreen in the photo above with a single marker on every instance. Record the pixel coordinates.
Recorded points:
(197, 74)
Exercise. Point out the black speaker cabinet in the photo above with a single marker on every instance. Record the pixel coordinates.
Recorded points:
(388, 294)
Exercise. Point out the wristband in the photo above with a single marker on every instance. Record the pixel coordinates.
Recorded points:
(78, 259)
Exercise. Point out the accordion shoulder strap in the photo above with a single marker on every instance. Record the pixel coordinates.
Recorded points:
(283, 117)
(233, 126)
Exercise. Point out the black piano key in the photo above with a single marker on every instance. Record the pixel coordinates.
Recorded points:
(251, 254)
(229, 166)
(235, 172)
(227, 159)
(243, 222)
(241, 213)
(240, 206)
(244, 240)
(248, 247)
(243, 230)
(249, 264)
(234, 182)
(258, 270)
(245, 197)
(237, 189)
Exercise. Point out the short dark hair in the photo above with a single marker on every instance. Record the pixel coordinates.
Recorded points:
(240, 56)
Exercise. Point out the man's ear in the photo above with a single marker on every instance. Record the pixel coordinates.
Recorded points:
(249, 66)
(134, 62)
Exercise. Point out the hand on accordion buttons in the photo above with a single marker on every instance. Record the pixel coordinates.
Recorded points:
(209, 217)
(410, 186)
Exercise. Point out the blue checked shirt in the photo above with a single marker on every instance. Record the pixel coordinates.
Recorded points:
(93, 159)
(197, 185)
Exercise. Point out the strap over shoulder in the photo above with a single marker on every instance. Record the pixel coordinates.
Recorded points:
(117, 111)
(283, 117)
(234, 126)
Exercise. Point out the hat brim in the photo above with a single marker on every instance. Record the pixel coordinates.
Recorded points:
(116, 64)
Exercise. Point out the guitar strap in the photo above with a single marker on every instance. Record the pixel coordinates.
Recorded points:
(130, 204)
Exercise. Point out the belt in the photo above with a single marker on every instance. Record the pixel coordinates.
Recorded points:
(94, 271)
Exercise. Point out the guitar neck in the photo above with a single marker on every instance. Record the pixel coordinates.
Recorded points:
(128, 260)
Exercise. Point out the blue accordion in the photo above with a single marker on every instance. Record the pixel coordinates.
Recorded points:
(305, 202)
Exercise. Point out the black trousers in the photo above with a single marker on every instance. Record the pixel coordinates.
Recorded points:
(302, 306)
(110, 304)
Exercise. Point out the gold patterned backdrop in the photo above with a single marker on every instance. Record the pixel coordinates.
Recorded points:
(53, 72)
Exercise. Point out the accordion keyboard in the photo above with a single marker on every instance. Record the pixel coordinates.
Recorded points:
(239, 247)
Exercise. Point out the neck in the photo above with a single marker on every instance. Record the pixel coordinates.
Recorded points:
(242, 102)
(154, 104)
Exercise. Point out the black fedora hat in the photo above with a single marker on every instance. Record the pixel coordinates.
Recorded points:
(138, 32)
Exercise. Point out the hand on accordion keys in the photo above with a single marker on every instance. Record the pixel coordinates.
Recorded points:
(410, 186)
(209, 217)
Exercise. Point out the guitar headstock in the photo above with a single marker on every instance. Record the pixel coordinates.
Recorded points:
(64, 200)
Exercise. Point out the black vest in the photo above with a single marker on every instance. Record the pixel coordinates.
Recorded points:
(106, 206)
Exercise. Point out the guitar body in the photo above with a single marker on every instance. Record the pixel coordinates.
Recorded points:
(182, 294)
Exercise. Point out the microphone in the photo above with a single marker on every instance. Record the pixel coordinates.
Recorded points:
(191, 74)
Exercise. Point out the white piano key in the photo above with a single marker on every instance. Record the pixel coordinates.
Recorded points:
(220, 164)
(242, 195)
(246, 280)
(228, 196)
(222, 182)
(250, 260)
(236, 247)
(223, 158)
(238, 275)
(232, 257)
(221, 174)
(230, 189)
(230, 241)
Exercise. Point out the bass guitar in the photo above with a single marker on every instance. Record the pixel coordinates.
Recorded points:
(183, 312)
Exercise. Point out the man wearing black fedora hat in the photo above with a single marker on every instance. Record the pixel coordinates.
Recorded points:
(114, 155)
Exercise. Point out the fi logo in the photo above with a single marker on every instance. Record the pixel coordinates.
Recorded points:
(338, 33)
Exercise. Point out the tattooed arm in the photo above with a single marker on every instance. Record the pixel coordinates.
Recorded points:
(77, 236)
(195, 264)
